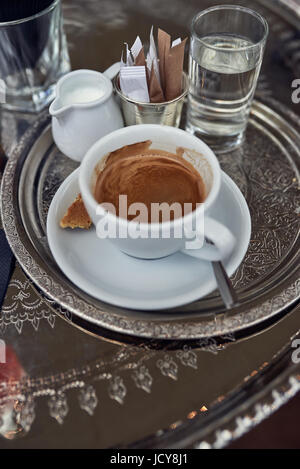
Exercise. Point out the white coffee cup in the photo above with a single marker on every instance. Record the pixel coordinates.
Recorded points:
(146, 247)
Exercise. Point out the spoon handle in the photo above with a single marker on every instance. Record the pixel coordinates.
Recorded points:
(226, 289)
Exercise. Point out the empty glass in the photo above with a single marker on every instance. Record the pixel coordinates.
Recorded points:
(226, 52)
(33, 53)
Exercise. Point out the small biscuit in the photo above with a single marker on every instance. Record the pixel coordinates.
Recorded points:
(76, 216)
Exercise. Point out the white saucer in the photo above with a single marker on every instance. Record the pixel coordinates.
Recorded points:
(102, 271)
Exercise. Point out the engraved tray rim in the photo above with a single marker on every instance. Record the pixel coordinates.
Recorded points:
(173, 329)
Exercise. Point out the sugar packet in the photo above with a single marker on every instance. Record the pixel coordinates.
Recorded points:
(173, 70)
(136, 48)
(153, 58)
(129, 59)
(133, 83)
(164, 41)
(155, 90)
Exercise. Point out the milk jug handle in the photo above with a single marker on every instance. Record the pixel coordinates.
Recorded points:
(112, 71)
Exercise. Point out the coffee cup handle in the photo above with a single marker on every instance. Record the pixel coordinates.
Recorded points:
(222, 241)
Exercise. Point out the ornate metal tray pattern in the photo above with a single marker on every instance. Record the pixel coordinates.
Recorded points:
(266, 170)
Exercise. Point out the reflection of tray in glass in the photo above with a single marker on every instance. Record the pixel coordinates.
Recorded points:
(265, 169)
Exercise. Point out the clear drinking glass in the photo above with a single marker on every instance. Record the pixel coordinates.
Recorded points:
(33, 53)
(226, 52)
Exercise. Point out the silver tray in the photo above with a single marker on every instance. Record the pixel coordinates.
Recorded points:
(265, 169)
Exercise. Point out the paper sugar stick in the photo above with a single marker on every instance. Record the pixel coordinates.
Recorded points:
(123, 64)
(164, 41)
(173, 70)
(140, 60)
(149, 63)
(136, 48)
(153, 56)
(129, 61)
(155, 90)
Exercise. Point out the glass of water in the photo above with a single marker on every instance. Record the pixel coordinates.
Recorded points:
(33, 53)
(226, 52)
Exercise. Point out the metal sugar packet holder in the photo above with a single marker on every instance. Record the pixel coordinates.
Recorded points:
(166, 113)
